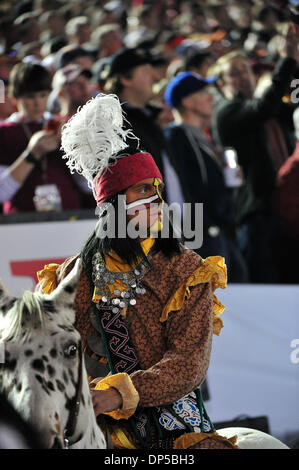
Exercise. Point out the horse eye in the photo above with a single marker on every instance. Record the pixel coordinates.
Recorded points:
(71, 351)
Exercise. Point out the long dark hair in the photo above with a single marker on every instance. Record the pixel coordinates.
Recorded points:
(128, 249)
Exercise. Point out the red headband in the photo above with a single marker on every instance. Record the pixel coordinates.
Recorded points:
(124, 173)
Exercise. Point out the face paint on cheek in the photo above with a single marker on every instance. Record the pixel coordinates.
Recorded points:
(157, 184)
(157, 226)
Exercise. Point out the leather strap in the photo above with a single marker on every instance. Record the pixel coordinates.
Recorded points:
(74, 411)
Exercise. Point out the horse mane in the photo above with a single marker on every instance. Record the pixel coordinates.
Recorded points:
(29, 309)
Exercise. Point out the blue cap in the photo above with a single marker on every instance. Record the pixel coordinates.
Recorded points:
(184, 85)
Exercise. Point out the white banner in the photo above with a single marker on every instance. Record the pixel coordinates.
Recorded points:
(254, 368)
(26, 248)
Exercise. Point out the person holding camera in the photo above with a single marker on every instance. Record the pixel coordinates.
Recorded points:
(261, 130)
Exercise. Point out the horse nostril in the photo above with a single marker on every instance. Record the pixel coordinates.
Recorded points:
(57, 444)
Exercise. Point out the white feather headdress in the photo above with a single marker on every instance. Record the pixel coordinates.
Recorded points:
(94, 136)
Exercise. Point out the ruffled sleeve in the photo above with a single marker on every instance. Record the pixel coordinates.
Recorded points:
(123, 383)
(47, 278)
(53, 273)
(212, 269)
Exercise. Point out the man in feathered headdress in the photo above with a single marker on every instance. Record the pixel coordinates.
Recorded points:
(144, 306)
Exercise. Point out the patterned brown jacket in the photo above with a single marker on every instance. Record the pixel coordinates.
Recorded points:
(170, 327)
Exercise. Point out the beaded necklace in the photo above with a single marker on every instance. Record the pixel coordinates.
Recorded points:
(118, 298)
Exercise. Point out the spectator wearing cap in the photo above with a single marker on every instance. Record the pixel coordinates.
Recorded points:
(72, 54)
(108, 38)
(261, 130)
(28, 27)
(199, 164)
(111, 12)
(198, 61)
(131, 77)
(149, 21)
(30, 142)
(48, 52)
(78, 30)
(53, 45)
(73, 88)
(53, 25)
(30, 52)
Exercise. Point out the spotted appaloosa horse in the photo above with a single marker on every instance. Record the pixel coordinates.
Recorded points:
(43, 375)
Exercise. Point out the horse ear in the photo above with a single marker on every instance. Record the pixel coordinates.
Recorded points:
(6, 300)
(66, 291)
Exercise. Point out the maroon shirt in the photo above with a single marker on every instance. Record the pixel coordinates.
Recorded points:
(13, 142)
(286, 196)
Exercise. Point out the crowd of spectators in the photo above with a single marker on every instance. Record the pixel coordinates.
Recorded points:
(209, 87)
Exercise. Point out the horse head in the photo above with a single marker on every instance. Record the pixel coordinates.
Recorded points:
(43, 374)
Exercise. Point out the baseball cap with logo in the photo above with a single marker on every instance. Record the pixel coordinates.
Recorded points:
(184, 85)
